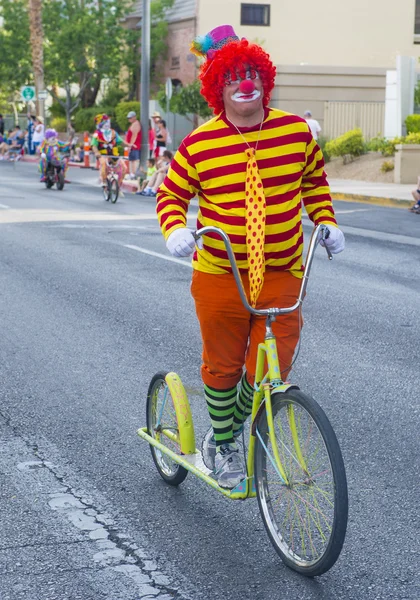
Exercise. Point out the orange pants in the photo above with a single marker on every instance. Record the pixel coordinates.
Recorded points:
(231, 334)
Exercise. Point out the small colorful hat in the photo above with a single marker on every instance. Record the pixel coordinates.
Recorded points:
(207, 45)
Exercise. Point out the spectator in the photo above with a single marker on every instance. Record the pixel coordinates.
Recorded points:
(157, 178)
(416, 195)
(151, 170)
(133, 141)
(161, 138)
(38, 136)
(1, 125)
(314, 126)
(31, 128)
(152, 138)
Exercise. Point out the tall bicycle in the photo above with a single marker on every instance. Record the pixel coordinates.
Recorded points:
(111, 188)
(294, 463)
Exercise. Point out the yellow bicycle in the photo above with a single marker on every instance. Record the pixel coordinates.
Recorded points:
(294, 462)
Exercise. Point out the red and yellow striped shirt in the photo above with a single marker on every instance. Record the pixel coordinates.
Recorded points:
(211, 164)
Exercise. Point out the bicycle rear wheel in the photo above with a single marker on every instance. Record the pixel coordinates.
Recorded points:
(162, 424)
(114, 190)
(306, 515)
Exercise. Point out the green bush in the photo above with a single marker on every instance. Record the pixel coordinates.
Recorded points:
(412, 124)
(121, 111)
(322, 143)
(59, 124)
(84, 120)
(386, 166)
(384, 146)
(412, 138)
(351, 144)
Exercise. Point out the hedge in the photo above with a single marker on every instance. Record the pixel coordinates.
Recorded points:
(412, 123)
(59, 124)
(350, 144)
(121, 111)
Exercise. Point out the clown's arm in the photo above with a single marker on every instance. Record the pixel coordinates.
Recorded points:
(316, 196)
(173, 199)
(63, 146)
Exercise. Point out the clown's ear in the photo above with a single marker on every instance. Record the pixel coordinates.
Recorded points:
(201, 45)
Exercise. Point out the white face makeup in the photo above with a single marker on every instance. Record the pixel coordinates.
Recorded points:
(243, 106)
(240, 97)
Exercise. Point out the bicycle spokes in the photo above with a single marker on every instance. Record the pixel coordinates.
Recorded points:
(302, 502)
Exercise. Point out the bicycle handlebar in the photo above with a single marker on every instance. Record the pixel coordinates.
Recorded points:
(320, 232)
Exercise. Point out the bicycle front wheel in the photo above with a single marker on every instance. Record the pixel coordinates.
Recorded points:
(114, 190)
(305, 513)
(106, 190)
(162, 424)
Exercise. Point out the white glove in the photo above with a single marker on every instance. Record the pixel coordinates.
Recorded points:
(43, 155)
(335, 241)
(181, 242)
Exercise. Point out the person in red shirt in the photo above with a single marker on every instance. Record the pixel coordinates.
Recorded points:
(133, 141)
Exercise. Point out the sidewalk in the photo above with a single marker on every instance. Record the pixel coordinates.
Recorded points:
(383, 194)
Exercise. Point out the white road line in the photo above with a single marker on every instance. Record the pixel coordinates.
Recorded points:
(151, 253)
(4, 206)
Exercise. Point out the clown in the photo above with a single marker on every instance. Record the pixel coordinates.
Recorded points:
(50, 150)
(105, 142)
(251, 168)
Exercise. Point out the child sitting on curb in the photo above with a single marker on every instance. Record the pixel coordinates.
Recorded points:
(151, 170)
(416, 195)
(157, 178)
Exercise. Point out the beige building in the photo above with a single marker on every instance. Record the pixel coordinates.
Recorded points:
(360, 33)
(331, 56)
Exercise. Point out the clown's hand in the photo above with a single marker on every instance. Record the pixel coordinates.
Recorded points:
(335, 242)
(43, 155)
(181, 242)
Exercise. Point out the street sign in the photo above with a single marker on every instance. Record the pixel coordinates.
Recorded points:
(42, 95)
(27, 93)
(168, 88)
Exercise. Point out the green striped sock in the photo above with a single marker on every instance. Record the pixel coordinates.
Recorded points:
(243, 406)
(221, 404)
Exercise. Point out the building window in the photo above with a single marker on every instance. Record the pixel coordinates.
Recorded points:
(175, 62)
(417, 23)
(417, 18)
(257, 14)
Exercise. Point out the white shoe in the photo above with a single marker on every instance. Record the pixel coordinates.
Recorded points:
(229, 467)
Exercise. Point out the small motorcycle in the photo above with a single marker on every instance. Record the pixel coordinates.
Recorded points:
(55, 173)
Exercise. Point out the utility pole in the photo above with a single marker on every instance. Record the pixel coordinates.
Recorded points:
(145, 82)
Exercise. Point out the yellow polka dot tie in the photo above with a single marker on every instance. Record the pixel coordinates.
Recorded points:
(255, 226)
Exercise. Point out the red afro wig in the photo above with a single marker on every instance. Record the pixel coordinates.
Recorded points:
(229, 60)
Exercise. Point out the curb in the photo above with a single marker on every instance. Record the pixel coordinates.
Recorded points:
(128, 186)
(380, 200)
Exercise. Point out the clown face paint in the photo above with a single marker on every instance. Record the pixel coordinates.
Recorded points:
(243, 104)
(241, 97)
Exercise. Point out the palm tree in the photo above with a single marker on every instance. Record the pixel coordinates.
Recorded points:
(36, 40)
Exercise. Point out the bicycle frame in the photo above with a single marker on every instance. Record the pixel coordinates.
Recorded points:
(265, 382)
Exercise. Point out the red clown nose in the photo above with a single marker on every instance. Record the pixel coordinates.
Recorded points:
(246, 86)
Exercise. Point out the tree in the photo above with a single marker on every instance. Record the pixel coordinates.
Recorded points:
(83, 47)
(15, 62)
(36, 39)
(187, 100)
(158, 47)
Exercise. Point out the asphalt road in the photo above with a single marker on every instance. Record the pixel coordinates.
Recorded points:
(91, 307)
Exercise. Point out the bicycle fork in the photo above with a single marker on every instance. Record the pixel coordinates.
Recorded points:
(271, 381)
